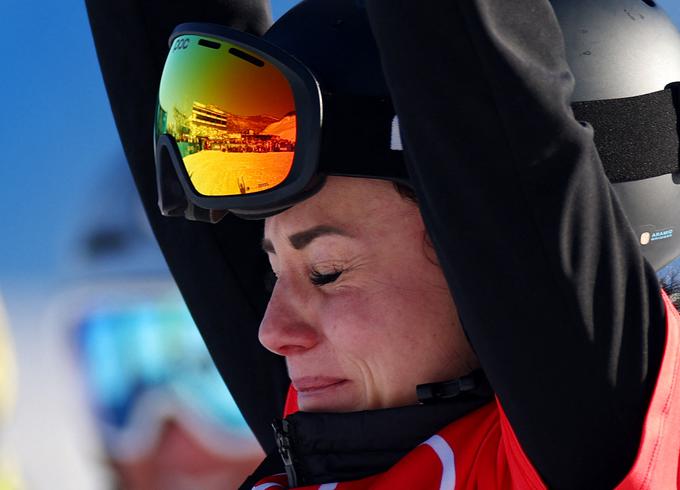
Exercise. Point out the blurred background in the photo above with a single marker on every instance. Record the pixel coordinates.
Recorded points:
(104, 380)
(83, 286)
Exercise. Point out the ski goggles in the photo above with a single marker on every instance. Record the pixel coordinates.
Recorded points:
(144, 364)
(242, 126)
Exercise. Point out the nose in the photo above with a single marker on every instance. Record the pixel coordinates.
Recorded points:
(287, 327)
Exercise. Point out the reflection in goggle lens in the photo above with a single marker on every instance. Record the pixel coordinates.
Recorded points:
(231, 113)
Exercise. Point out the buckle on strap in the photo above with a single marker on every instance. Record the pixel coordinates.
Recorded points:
(434, 392)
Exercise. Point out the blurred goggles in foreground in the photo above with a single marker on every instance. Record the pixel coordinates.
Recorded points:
(241, 126)
(145, 364)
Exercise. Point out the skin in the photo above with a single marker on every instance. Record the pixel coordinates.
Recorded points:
(361, 310)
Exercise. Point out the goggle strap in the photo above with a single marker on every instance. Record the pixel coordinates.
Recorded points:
(639, 147)
(357, 138)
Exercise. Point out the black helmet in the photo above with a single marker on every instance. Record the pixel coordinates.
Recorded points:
(344, 56)
(625, 56)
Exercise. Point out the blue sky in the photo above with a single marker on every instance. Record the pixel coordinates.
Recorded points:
(53, 95)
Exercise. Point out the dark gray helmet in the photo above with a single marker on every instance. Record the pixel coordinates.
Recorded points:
(625, 56)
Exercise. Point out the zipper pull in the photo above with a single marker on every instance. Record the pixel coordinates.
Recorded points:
(284, 443)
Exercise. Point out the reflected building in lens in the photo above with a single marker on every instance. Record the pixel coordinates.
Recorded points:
(215, 129)
(208, 127)
(209, 121)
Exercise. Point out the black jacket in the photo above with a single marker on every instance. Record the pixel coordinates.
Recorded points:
(561, 309)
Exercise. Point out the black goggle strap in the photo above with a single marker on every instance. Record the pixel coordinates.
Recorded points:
(637, 137)
(640, 147)
(361, 138)
(360, 135)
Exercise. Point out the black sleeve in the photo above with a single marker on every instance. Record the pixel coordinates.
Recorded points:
(551, 288)
(211, 267)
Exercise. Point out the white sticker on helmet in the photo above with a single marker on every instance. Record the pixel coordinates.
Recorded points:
(395, 142)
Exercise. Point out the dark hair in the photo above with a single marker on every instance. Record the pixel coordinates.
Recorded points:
(405, 191)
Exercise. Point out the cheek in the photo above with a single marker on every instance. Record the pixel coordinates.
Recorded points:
(352, 323)
(377, 330)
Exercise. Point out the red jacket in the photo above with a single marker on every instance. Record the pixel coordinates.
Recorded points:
(480, 450)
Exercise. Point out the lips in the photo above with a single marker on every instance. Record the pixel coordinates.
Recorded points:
(313, 384)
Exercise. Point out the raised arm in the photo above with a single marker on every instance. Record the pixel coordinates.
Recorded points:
(562, 310)
(220, 278)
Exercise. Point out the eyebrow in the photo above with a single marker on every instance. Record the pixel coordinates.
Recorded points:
(303, 238)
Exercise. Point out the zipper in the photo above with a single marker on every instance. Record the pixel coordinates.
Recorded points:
(285, 445)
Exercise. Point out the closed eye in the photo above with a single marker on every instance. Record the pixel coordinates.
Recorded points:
(320, 279)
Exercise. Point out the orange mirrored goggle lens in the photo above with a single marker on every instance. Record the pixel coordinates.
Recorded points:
(231, 113)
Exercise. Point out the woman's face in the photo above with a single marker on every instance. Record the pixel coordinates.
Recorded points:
(360, 310)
